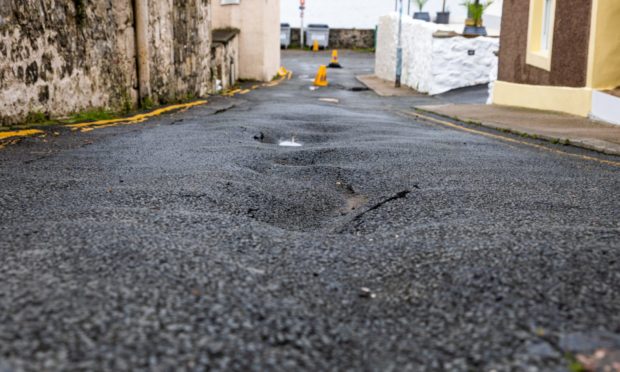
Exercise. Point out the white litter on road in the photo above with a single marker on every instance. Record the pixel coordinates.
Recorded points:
(290, 143)
(329, 100)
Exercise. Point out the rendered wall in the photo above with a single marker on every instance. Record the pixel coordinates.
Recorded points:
(259, 37)
(605, 62)
(60, 57)
(225, 63)
(569, 58)
(433, 64)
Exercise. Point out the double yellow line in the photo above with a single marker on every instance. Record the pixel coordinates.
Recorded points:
(283, 74)
(133, 119)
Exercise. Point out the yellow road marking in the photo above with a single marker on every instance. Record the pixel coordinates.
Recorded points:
(136, 118)
(282, 71)
(512, 140)
(20, 133)
(234, 91)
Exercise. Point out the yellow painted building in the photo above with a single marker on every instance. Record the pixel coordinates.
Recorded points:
(565, 58)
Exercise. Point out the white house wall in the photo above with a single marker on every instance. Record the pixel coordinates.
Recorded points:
(434, 65)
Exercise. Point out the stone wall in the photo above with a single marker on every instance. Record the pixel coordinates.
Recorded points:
(343, 38)
(61, 57)
(180, 46)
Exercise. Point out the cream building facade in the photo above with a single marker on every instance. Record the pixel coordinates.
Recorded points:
(258, 22)
(561, 55)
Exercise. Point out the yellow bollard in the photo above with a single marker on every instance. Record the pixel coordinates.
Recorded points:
(321, 77)
(334, 62)
(315, 46)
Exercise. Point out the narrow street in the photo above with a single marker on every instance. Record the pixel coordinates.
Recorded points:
(383, 243)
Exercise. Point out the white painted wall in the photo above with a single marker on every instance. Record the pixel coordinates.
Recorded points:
(259, 39)
(605, 107)
(365, 13)
(433, 65)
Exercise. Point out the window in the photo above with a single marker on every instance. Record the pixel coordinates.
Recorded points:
(540, 33)
(546, 28)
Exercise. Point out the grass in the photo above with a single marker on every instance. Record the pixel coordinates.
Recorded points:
(573, 363)
(147, 103)
(38, 119)
(90, 115)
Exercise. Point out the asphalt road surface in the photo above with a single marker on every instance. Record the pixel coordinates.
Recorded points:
(384, 243)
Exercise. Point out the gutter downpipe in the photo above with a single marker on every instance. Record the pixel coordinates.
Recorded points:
(399, 48)
(141, 13)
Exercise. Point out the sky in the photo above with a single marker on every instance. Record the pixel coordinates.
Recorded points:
(363, 13)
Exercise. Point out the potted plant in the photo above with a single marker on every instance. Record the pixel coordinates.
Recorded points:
(443, 17)
(475, 11)
(423, 16)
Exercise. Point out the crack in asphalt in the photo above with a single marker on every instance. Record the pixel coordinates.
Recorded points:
(357, 218)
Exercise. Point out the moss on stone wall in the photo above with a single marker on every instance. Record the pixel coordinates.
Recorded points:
(80, 12)
(60, 57)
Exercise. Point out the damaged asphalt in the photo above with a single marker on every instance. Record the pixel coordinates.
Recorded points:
(193, 241)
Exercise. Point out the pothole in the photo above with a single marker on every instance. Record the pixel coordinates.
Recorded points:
(354, 203)
(265, 138)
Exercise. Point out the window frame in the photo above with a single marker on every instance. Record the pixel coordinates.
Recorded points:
(539, 53)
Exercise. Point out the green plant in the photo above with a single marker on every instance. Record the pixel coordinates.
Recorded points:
(573, 363)
(91, 115)
(421, 3)
(476, 9)
(147, 103)
(37, 117)
(126, 102)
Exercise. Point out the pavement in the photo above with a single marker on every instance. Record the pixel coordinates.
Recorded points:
(468, 105)
(386, 88)
(550, 126)
(386, 242)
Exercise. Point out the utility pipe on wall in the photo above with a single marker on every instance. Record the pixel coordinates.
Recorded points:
(399, 48)
(141, 13)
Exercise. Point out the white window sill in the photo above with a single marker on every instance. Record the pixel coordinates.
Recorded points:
(541, 60)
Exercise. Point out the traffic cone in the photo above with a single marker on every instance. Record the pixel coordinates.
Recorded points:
(334, 62)
(315, 46)
(321, 77)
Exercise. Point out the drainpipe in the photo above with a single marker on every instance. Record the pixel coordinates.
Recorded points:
(399, 48)
(141, 12)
